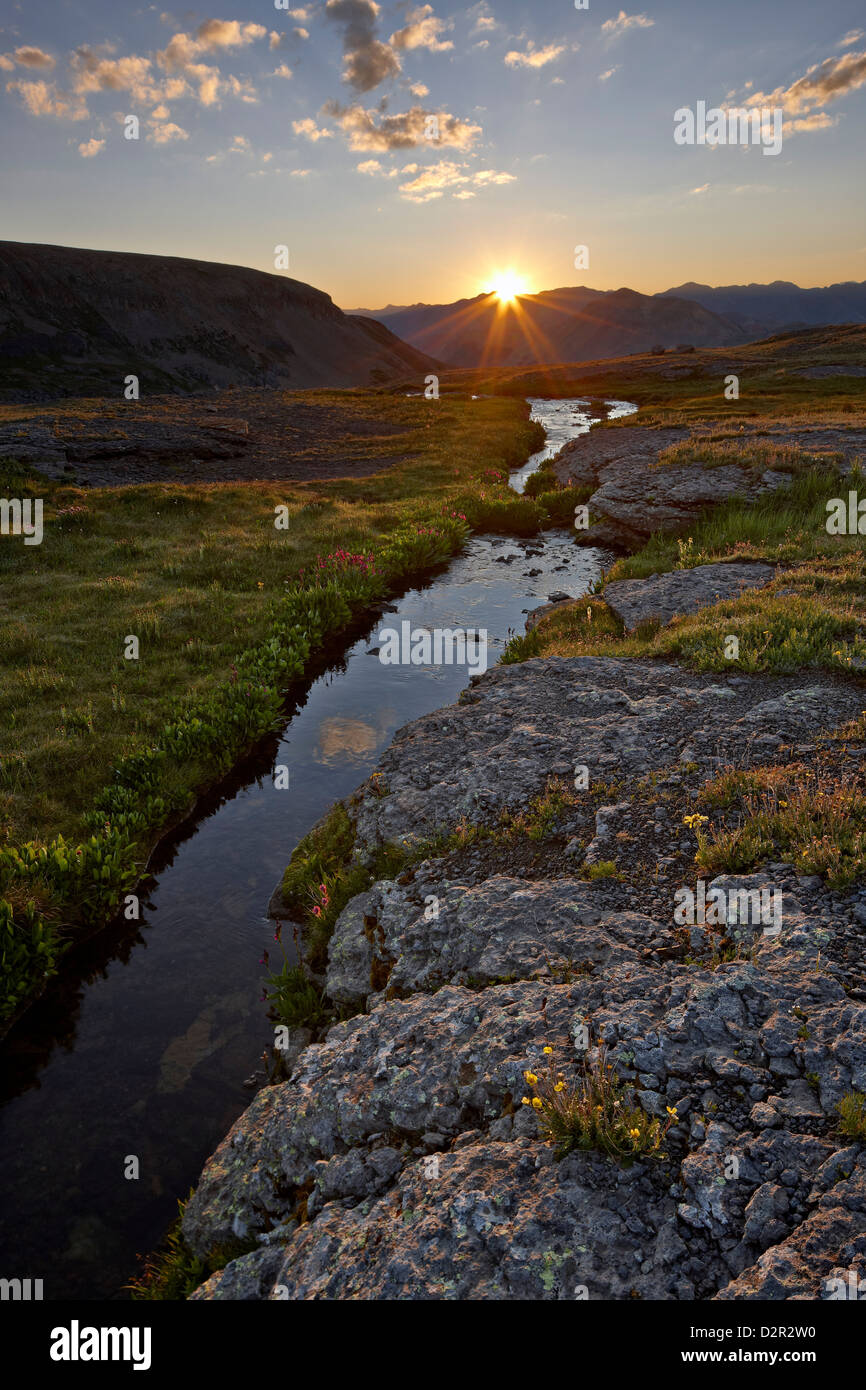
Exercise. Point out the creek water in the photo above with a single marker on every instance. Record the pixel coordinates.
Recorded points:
(143, 1047)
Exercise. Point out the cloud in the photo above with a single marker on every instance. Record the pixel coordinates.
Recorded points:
(240, 145)
(702, 189)
(88, 148)
(164, 134)
(534, 57)
(853, 36)
(603, 76)
(614, 28)
(308, 128)
(300, 173)
(44, 99)
(160, 113)
(282, 71)
(484, 22)
(367, 61)
(228, 33)
(301, 33)
(7, 62)
(93, 70)
(491, 176)
(819, 120)
(423, 30)
(400, 132)
(419, 90)
(464, 193)
(432, 181)
(820, 84)
(33, 58)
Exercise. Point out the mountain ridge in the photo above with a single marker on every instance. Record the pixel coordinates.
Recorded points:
(74, 321)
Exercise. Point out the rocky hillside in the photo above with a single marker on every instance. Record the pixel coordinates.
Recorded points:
(75, 322)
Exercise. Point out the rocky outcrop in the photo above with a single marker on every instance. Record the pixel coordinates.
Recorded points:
(398, 1161)
(633, 497)
(662, 596)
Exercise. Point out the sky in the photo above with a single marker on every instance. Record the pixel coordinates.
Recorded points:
(309, 127)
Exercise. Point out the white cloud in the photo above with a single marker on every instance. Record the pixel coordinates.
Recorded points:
(604, 76)
(87, 149)
(614, 28)
(282, 71)
(423, 30)
(44, 99)
(164, 134)
(308, 128)
(534, 57)
(369, 166)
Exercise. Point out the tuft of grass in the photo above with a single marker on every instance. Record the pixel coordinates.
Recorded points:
(791, 812)
(852, 1113)
(172, 1272)
(596, 1112)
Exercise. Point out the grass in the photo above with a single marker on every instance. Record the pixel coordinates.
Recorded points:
(100, 754)
(852, 1113)
(173, 1272)
(812, 817)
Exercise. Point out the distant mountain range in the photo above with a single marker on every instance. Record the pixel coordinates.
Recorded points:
(78, 322)
(578, 324)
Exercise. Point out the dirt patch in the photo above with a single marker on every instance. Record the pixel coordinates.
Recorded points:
(231, 436)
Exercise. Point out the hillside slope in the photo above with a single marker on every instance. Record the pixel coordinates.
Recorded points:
(563, 325)
(78, 322)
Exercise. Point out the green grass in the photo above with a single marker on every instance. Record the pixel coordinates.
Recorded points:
(99, 754)
(172, 1272)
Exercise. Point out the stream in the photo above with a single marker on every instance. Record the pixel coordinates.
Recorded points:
(143, 1046)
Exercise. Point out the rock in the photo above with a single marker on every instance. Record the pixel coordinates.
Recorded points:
(682, 591)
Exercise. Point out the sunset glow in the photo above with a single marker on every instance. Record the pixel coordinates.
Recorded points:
(507, 285)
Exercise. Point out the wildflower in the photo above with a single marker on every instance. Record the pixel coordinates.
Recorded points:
(671, 1111)
(634, 1134)
(260, 585)
(548, 1051)
(527, 1100)
(531, 1078)
(536, 1103)
(560, 1086)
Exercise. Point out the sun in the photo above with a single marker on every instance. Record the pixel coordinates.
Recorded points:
(507, 285)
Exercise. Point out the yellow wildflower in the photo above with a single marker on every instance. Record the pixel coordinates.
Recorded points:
(536, 1103)
(560, 1086)
(530, 1078)
(671, 1111)
(547, 1051)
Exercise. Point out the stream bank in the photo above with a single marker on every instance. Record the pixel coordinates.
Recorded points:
(144, 1047)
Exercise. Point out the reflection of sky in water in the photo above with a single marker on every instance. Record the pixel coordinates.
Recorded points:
(153, 1063)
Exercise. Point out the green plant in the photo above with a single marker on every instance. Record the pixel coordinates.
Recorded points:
(852, 1112)
(594, 1113)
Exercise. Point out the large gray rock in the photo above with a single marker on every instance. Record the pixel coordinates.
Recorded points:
(663, 596)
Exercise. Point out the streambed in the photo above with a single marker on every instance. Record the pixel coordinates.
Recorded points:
(143, 1046)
